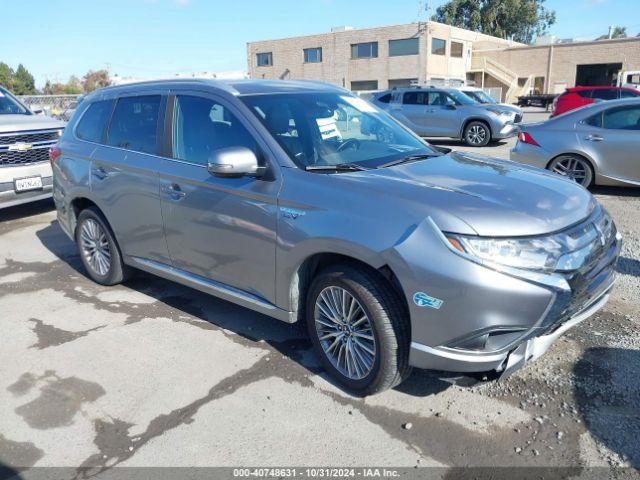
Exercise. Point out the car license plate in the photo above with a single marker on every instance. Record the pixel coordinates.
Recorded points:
(29, 183)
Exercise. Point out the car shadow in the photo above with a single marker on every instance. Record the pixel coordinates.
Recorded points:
(459, 143)
(607, 392)
(616, 191)
(9, 473)
(289, 340)
(26, 210)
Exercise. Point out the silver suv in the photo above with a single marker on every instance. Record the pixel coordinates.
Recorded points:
(447, 112)
(25, 139)
(305, 203)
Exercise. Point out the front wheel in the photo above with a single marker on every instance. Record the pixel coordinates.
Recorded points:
(477, 134)
(359, 328)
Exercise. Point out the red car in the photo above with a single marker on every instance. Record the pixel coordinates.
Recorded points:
(577, 97)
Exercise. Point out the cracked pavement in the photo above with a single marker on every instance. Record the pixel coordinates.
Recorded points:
(151, 373)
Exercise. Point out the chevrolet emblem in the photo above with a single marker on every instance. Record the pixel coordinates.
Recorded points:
(20, 147)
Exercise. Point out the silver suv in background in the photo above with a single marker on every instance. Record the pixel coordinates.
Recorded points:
(447, 112)
(25, 139)
(305, 203)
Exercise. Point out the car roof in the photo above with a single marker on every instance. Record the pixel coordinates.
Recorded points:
(596, 87)
(233, 87)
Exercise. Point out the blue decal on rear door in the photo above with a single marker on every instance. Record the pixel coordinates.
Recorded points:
(423, 300)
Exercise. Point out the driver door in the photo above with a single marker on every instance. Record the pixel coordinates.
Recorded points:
(443, 115)
(223, 229)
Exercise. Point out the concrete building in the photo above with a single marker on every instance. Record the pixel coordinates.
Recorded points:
(431, 52)
(372, 58)
(553, 67)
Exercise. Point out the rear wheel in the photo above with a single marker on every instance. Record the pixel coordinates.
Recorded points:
(574, 167)
(98, 249)
(359, 328)
(477, 134)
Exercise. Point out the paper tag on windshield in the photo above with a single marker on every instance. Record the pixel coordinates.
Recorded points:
(359, 104)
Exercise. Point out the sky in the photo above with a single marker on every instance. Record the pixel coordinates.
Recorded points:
(146, 38)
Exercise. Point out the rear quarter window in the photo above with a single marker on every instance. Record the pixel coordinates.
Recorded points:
(584, 93)
(134, 124)
(93, 123)
(605, 94)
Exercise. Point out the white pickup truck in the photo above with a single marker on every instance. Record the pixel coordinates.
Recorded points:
(25, 139)
(629, 79)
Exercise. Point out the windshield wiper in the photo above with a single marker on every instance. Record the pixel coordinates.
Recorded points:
(340, 167)
(409, 158)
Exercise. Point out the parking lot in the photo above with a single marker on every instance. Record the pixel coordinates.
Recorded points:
(151, 373)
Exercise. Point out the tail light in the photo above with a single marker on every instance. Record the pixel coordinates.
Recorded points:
(525, 137)
(54, 153)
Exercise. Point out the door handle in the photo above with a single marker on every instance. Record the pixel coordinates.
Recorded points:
(174, 191)
(594, 138)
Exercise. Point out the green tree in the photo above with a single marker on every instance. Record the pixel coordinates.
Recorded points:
(519, 20)
(23, 82)
(93, 80)
(6, 75)
(618, 32)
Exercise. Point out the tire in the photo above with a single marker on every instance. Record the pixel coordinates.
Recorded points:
(574, 167)
(99, 251)
(386, 316)
(477, 134)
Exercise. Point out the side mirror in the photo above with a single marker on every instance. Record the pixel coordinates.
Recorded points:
(234, 162)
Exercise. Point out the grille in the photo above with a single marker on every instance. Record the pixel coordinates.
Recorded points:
(37, 155)
(518, 118)
(28, 137)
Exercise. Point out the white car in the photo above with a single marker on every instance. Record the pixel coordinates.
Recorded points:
(25, 139)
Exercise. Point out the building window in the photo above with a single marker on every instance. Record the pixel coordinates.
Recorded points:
(438, 46)
(402, 82)
(312, 55)
(364, 85)
(538, 85)
(264, 59)
(364, 50)
(456, 49)
(407, 46)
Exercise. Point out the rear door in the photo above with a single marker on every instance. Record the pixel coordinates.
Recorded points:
(414, 111)
(614, 137)
(223, 229)
(124, 175)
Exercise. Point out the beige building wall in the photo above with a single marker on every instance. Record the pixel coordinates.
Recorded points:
(558, 63)
(338, 67)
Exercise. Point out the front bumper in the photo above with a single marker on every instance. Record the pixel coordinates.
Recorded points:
(8, 195)
(531, 311)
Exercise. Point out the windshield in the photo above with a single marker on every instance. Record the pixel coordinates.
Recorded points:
(318, 129)
(10, 105)
(480, 96)
(461, 98)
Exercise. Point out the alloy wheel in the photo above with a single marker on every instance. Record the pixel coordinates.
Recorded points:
(345, 332)
(95, 247)
(574, 168)
(476, 134)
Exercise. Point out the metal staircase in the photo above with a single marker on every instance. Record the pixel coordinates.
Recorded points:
(501, 73)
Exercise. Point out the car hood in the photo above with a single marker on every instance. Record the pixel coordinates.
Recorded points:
(472, 194)
(15, 123)
(502, 107)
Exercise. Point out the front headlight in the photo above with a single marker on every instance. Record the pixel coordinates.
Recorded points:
(562, 251)
(499, 112)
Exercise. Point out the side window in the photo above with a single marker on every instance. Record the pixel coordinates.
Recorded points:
(629, 94)
(595, 120)
(440, 98)
(201, 125)
(134, 125)
(385, 98)
(414, 98)
(622, 118)
(605, 94)
(94, 121)
(584, 93)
